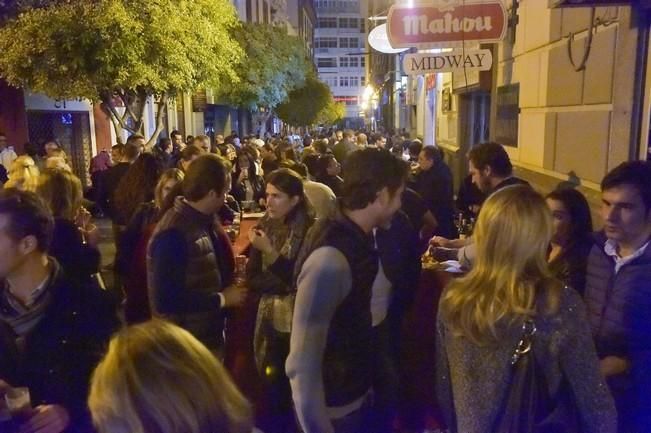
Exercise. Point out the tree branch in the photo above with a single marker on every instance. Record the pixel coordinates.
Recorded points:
(107, 105)
(162, 106)
(127, 105)
(142, 101)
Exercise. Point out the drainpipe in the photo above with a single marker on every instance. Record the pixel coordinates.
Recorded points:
(637, 110)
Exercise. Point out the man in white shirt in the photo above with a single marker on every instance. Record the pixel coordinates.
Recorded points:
(7, 153)
(618, 292)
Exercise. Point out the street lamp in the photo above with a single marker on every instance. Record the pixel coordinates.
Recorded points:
(368, 92)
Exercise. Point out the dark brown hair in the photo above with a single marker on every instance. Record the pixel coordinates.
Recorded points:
(28, 216)
(366, 172)
(491, 155)
(136, 186)
(208, 172)
(634, 173)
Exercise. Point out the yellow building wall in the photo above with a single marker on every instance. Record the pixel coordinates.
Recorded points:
(571, 122)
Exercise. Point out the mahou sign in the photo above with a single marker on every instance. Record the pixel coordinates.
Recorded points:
(440, 23)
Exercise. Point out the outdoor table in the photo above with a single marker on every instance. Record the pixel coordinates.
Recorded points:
(240, 326)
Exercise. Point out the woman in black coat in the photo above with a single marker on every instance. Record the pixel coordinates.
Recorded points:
(74, 240)
(247, 184)
(572, 240)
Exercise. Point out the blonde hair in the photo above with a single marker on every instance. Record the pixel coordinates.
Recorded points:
(23, 174)
(57, 162)
(512, 235)
(169, 174)
(62, 191)
(158, 378)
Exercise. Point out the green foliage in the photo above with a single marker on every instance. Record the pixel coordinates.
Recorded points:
(274, 64)
(332, 113)
(89, 48)
(306, 103)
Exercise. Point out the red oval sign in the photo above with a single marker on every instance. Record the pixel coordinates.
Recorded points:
(435, 25)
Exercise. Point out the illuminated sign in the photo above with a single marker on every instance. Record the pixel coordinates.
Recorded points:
(444, 23)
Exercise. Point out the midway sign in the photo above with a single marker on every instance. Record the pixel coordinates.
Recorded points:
(451, 61)
(442, 23)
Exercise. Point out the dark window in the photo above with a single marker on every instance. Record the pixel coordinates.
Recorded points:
(326, 62)
(506, 123)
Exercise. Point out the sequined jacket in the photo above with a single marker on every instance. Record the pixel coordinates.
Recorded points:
(471, 380)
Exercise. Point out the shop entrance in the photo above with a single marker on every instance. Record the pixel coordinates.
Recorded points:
(71, 129)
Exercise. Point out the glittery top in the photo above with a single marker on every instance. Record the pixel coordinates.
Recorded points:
(472, 380)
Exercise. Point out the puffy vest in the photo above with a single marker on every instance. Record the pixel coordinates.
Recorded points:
(202, 272)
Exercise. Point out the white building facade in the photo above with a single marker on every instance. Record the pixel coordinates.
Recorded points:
(340, 53)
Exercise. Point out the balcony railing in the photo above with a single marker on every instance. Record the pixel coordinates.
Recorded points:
(338, 8)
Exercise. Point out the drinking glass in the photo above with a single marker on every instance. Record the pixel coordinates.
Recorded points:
(18, 402)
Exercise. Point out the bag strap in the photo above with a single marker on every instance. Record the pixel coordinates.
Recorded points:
(526, 340)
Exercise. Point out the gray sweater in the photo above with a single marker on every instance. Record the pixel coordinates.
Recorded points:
(472, 380)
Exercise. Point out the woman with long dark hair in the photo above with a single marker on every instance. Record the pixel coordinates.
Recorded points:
(136, 186)
(276, 241)
(247, 184)
(572, 239)
(132, 256)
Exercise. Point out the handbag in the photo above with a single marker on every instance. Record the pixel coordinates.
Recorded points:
(272, 333)
(527, 405)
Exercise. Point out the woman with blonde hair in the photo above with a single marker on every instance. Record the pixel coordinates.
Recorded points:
(23, 174)
(510, 299)
(75, 238)
(156, 377)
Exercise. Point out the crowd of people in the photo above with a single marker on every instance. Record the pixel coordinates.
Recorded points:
(547, 311)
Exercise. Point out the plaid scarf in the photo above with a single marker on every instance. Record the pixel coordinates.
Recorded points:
(21, 318)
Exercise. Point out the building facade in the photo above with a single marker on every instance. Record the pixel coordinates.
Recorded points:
(300, 18)
(341, 53)
(559, 118)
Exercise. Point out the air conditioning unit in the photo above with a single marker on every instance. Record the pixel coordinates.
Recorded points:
(590, 3)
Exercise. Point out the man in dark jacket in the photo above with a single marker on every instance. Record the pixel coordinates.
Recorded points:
(434, 184)
(111, 178)
(618, 292)
(397, 245)
(342, 294)
(490, 170)
(345, 146)
(52, 331)
(190, 268)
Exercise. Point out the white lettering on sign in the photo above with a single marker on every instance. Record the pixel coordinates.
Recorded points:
(421, 25)
(453, 61)
(440, 23)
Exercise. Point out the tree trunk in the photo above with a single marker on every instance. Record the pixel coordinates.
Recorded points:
(261, 118)
(162, 106)
(119, 121)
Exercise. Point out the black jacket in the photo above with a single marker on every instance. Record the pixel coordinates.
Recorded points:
(435, 187)
(63, 350)
(78, 260)
(400, 256)
(109, 184)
